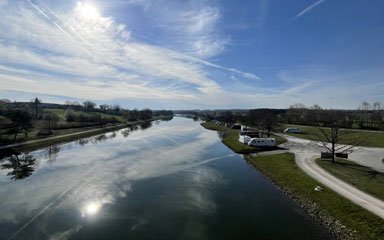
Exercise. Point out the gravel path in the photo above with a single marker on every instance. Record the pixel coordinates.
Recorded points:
(307, 151)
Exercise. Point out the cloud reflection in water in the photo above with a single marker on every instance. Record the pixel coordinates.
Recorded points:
(101, 173)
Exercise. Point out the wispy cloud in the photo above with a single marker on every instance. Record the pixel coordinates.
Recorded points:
(308, 9)
(171, 55)
(101, 56)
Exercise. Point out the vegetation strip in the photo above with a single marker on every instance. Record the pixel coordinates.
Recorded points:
(40, 143)
(344, 218)
(363, 178)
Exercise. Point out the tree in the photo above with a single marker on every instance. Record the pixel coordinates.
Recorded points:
(116, 109)
(316, 107)
(377, 115)
(252, 117)
(228, 117)
(268, 122)
(296, 113)
(70, 115)
(365, 107)
(50, 118)
(297, 106)
(21, 121)
(145, 114)
(36, 104)
(332, 137)
(104, 108)
(4, 104)
(68, 104)
(89, 105)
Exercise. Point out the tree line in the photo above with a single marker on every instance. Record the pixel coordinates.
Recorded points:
(21, 117)
(365, 116)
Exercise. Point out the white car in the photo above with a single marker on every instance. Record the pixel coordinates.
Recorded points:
(292, 130)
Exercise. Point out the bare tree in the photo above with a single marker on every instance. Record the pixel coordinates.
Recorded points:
(377, 117)
(267, 121)
(365, 107)
(89, 105)
(116, 109)
(104, 108)
(49, 118)
(337, 140)
(316, 107)
(298, 106)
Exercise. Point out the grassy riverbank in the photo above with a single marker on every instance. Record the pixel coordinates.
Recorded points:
(68, 135)
(371, 138)
(326, 205)
(60, 113)
(363, 178)
(230, 137)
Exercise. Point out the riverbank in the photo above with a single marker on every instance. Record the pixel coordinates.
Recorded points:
(342, 217)
(69, 135)
(230, 137)
(345, 219)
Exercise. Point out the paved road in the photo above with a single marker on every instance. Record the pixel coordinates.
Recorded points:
(307, 151)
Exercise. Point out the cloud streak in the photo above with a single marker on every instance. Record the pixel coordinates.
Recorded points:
(100, 56)
(308, 9)
(182, 62)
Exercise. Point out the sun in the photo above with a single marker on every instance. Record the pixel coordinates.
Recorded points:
(88, 11)
(92, 208)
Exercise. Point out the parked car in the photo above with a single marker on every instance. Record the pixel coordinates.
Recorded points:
(292, 130)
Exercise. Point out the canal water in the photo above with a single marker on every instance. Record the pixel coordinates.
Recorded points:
(165, 180)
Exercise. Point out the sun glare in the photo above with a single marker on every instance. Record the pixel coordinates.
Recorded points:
(88, 11)
(91, 208)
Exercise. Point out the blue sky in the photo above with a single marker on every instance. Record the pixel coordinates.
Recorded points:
(196, 54)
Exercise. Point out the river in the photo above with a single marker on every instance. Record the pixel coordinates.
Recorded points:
(171, 180)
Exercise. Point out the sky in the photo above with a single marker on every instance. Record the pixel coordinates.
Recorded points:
(193, 54)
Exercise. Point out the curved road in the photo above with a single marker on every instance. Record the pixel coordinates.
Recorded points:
(307, 151)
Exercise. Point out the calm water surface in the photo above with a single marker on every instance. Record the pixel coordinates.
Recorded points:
(174, 180)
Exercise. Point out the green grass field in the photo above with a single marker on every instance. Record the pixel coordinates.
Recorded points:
(361, 177)
(371, 138)
(231, 138)
(282, 169)
(61, 114)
